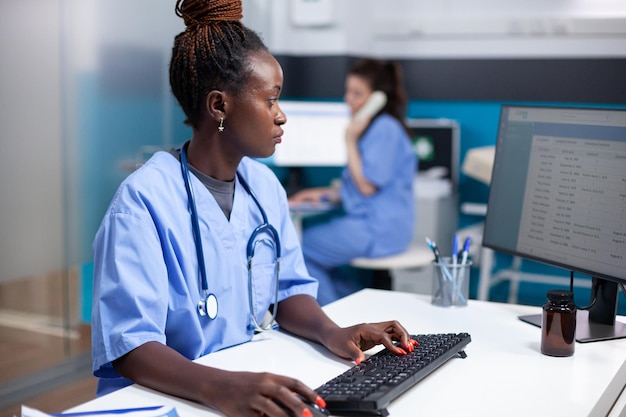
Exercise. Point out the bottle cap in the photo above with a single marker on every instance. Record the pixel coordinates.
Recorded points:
(560, 295)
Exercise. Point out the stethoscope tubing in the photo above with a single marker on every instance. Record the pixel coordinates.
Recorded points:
(210, 298)
(194, 217)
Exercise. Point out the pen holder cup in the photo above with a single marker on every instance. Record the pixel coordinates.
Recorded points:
(450, 283)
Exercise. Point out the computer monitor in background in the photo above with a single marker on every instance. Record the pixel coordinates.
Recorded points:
(314, 138)
(436, 143)
(314, 134)
(558, 196)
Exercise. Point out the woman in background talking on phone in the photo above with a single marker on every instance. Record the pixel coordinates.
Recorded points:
(376, 187)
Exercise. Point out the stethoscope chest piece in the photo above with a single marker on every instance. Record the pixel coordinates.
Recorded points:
(207, 306)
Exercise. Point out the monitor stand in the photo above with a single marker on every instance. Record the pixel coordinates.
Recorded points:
(599, 321)
(586, 331)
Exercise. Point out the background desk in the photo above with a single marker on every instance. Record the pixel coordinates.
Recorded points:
(503, 374)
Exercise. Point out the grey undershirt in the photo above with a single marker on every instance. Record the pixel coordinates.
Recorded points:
(222, 191)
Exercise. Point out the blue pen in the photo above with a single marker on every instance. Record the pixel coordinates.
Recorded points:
(433, 246)
(455, 259)
(99, 412)
(466, 248)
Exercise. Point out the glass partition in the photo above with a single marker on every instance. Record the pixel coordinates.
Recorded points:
(85, 99)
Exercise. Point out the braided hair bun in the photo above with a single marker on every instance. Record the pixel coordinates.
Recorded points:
(213, 53)
(201, 12)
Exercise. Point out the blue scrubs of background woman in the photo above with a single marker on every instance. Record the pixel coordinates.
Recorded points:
(376, 187)
(147, 283)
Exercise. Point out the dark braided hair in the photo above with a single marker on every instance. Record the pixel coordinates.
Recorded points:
(211, 54)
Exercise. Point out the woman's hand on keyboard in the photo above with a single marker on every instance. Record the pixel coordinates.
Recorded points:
(351, 342)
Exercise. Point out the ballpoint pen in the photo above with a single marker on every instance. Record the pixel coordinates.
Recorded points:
(99, 412)
(455, 271)
(465, 252)
(461, 277)
(433, 246)
(455, 249)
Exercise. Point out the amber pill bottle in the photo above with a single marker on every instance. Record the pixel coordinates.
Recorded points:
(558, 324)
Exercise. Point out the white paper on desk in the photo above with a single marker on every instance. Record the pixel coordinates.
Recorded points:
(164, 411)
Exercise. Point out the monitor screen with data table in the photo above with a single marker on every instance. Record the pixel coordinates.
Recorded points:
(558, 196)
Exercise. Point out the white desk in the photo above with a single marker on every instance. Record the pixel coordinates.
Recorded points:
(300, 211)
(504, 372)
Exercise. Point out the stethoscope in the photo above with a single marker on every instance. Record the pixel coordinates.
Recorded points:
(208, 305)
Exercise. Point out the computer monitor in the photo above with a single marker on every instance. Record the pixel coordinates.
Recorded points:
(436, 143)
(313, 134)
(314, 137)
(558, 196)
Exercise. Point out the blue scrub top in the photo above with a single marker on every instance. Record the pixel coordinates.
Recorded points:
(389, 162)
(146, 279)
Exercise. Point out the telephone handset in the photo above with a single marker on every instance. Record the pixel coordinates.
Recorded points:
(373, 105)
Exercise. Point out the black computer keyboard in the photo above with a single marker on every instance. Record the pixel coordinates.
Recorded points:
(369, 387)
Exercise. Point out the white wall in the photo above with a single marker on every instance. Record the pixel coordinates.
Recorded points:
(444, 28)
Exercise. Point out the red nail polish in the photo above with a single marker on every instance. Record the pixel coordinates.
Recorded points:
(320, 401)
(403, 351)
(307, 413)
(357, 361)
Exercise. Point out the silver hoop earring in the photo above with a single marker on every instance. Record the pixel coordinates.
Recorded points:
(220, 128)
